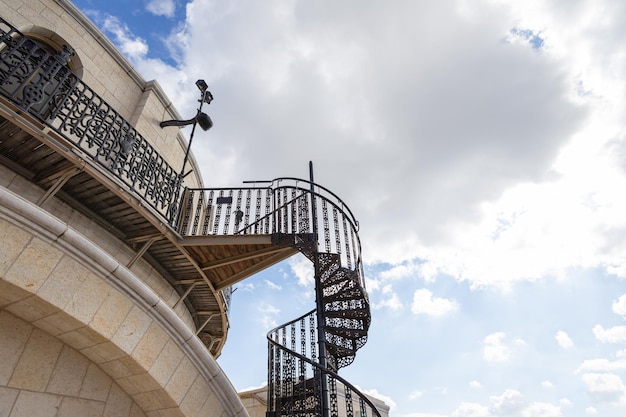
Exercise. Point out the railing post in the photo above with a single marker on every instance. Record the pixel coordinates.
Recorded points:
(321, 336)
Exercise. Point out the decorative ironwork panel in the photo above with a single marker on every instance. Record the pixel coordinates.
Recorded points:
(40, 82)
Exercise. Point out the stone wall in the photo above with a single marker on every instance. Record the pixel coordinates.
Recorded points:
(41, 376)
(63, 295)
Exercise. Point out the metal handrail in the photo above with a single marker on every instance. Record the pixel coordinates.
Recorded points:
(312, 363)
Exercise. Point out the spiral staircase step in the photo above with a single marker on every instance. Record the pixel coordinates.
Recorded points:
(356, 313)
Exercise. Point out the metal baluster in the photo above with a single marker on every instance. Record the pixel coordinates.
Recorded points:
(238, 212)
(247, 212)
(292, 366)
(337, 233)
(294, 211)
(326, 226)
(362, 407)
(349, 405)
(347, 242)
(257, 214)
(198, 213)
(332, 391)
(189, 206)
(271, 381)
(229, 206)
(302, 369)
(285, 210)
(285, 368)
(279, 213)
(304, 212)
(206, 223)
(218, 214)
(268, 210)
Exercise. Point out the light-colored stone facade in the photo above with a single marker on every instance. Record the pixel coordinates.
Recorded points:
(85, 328)
(62, 297)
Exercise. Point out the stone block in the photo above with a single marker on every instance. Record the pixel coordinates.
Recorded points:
(68, 373)
(35, 366)
(111, 314)
(96, 384)
(59, 287)
(167, 362)
(81, 407)
(132, 329)
(150, 345)
(38, 404)
(14, 334)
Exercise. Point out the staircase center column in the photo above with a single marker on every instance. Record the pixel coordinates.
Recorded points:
(319, 302)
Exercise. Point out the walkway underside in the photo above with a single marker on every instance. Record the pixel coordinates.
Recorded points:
(226, 260)
(198, 267)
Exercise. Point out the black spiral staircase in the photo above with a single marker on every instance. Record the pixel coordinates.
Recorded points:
(305, 354)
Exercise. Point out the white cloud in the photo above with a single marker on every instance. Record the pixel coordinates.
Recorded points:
(547, 384)
(494, 348)
(303, 270)
(539, 409)
(509, 402)
(267, 316)
(272, 285)
(616, 334)
(591, 410)
(475, 384)
(374, 393)
(269, 309)
(425, 303)
(619, 306)
(472, 410)
(403, 270)
(563, 340)
(132, 46)
(161, 7)
(246, 286)
(604, 387)
(415, 395)
(389, 299)
(602, 365)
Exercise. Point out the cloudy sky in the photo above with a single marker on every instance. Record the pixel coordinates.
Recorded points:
(480, 143)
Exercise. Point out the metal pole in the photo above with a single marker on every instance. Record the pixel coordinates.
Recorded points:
(193, 130)
(321, 335)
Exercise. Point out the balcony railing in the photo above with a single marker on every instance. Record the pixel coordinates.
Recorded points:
(39, 81)
(284, 206)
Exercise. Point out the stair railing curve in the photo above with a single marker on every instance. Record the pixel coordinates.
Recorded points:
(294, 395)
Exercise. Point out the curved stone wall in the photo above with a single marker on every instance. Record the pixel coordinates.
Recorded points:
(79, 301)
(42, 376)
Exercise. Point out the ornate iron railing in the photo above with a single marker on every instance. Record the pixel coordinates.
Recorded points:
(297, 381)
(39, 81)
(281, 206)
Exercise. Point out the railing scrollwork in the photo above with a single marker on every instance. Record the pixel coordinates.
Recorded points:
(39, 81)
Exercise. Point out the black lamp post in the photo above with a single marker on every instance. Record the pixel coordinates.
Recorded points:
(201, 119)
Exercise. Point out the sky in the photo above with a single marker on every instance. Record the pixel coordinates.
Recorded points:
(482, 147)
